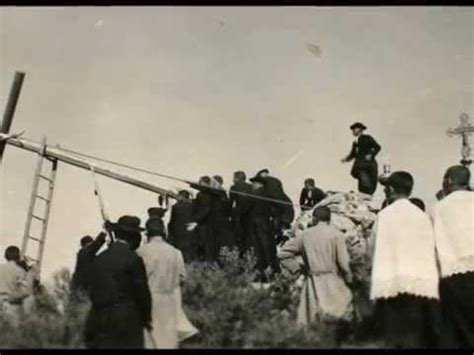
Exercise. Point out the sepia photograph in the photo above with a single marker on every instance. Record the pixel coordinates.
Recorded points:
(236, 177)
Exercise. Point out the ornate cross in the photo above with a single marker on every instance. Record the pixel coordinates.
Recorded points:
(464, 130)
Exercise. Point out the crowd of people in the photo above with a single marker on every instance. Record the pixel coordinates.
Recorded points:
(422, 273)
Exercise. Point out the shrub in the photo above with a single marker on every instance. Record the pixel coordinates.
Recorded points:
(222, 301)
(233, 312)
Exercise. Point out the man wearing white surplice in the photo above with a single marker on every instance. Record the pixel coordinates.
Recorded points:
(404, 280)
(165, 271)
(326, 268)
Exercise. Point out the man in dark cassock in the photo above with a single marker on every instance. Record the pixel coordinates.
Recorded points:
(241, 204)
(454, 234)
(202, 217)
(282, 212)
(310, 195)
(364, 150)
(85, 257)
(264, 241)
(119, 293)
(220, 212)
(179, 235)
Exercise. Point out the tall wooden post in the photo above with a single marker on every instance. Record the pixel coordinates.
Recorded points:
(10, 108)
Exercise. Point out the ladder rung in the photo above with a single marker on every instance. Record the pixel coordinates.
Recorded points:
(35, 239)
(42, 198)
(45, 178)
(39, 218)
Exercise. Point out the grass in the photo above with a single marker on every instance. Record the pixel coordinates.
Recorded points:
(219, 300)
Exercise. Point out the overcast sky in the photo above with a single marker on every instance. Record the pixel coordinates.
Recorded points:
(193, 91)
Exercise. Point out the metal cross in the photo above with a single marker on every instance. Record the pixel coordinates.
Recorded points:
(464, 130)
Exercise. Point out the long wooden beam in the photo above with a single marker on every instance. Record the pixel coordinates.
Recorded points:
(11, 107)
(65, 158)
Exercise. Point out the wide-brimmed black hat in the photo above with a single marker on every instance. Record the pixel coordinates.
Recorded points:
(128, 224)
(258, 178)
(263, 171)
(398, 179)
(358, 125)
(156, 212)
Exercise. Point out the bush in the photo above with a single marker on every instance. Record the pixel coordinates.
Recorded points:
(231, 311)
(222, 301)
(48, 319)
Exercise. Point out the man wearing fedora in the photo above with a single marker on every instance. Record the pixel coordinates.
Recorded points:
(364, 150)
(119, 292)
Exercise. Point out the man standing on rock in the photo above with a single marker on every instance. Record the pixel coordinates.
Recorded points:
(363, 152)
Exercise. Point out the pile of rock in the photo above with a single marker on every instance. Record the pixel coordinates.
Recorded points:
(352, 213)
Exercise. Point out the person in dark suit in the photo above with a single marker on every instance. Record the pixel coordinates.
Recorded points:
(119, 293)
(179, 235)
(241, 204)
(363, 152)
(282, 212)
(310, 195)
(264, 241)
(85, 257)
(202, 219)
(220, 215)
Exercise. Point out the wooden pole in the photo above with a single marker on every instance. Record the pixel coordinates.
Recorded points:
(65, 158)
(11, 107)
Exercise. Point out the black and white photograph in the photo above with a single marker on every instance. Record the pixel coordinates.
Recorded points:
(236, 177)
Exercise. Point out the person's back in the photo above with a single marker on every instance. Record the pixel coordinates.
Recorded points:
(320, 245)
(454, 231)
(326, 269)
(11, 279)
(165, 270)
(163, 264)
(121, 300)
(181, 216)
(242, 202)
(85, 257)
(260, 206)
(404, 259)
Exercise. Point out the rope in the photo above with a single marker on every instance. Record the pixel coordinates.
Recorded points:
(165, 176)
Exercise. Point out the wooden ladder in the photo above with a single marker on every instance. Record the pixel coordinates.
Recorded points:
(36, 200)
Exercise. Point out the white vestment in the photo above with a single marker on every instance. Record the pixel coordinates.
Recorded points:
(404, 258)
(165, 269)
(453, 219)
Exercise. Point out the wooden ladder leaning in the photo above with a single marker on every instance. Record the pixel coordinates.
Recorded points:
(39, 202)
